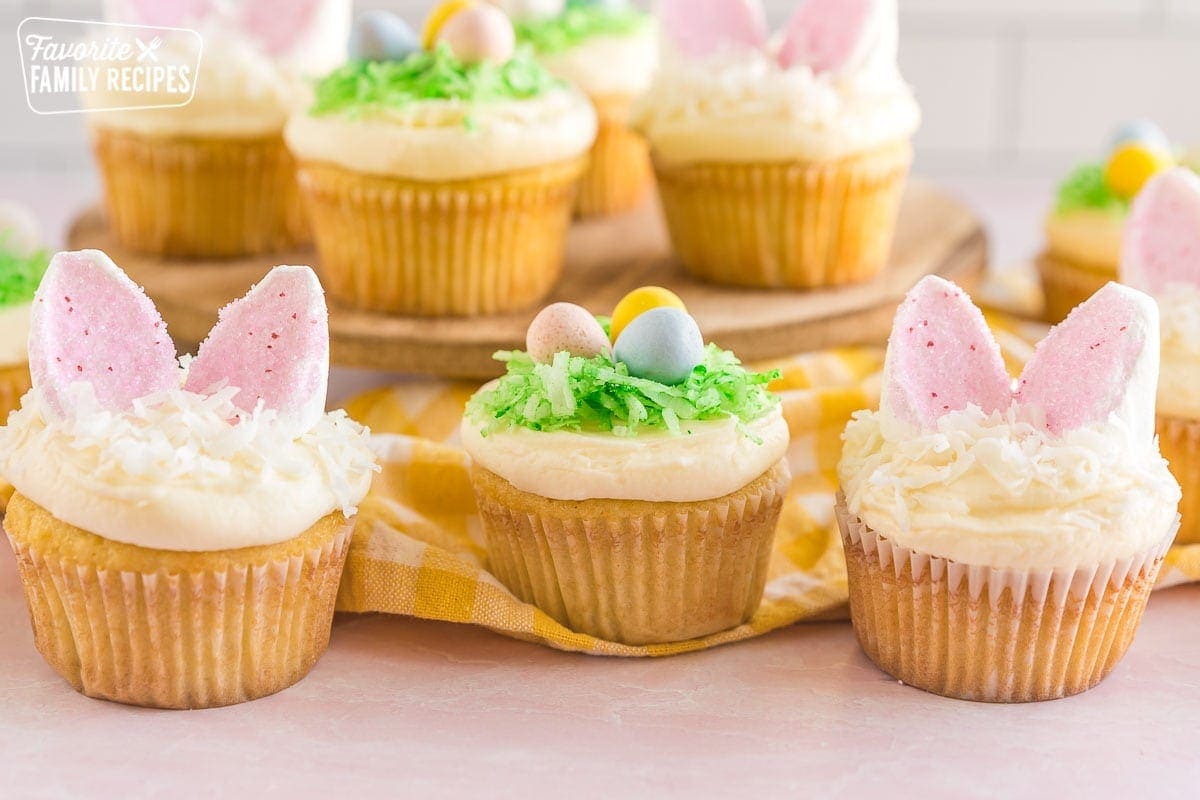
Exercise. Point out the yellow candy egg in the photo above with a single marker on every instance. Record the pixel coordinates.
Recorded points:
(438, 16)
(638, 302)
(1132, 164)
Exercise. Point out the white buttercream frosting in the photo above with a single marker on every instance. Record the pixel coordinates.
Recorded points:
(14, 334)
(183, 471)
(609, 66)
(706, 460)
(999, 491)
(1179, 379)
(742, 105)
(450, 139)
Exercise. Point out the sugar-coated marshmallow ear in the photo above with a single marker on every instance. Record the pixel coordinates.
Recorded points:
(160, 13)
(1162, 236)
(700, 28)
(273, 345)
(824, 34)
(278, 25)
(91, 323)
(941, 357)
(1102, 359)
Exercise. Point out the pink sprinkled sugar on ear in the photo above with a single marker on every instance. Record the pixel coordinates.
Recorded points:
(1102, 359)
(278, 25)
(824, 34)
(1162, 235)
(162, 13)
(701, 28)
(273, 345)
(942, 357)
(91, 323)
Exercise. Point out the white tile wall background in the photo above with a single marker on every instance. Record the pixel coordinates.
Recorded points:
(1009, 87)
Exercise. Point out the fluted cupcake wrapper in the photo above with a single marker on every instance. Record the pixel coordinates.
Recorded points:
(179, 639)
(1067, 284)
(632, 571)
(619, 173)
(193, 197)
(454, 248)
(988, 634)
(786, 225)
(1179, 441)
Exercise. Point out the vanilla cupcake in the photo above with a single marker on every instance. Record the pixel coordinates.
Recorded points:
(630, 493)
(607, 48)
(1001, 546)
(1161, 256)
(212, 178)
(22, 263)
(440, 180)
(180, 526)
(1084, 229)
(780, 164)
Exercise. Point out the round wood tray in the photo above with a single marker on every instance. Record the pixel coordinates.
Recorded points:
(605, 259)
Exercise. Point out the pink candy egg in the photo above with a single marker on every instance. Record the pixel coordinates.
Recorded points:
(480, 33)
(564, 327)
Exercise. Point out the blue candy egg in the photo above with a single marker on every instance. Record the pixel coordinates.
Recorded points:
(663, 344)
(382, 36)
(1142, 131)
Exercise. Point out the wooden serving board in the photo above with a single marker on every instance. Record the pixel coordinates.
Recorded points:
(605, 259)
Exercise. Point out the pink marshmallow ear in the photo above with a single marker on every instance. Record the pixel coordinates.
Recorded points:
(91, 323)
(278, 25)
(942, 357)
(163, 13)
(700, 28)
(1102, 359)
(823, 34)
(1162, 236)
(273, 345)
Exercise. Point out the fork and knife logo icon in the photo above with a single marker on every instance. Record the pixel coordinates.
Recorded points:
(146, 50)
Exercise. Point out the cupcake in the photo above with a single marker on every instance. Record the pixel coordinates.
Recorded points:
(180, 526)
(1001, 545)
(1161, 256)
(780, 164)
(212, 178)
(607, 48)
(632, 492)
(22, 262)
(440, 180)
(1083, 230)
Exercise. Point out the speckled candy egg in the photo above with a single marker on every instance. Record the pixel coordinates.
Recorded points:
(530, 9)
(1142, 131)
(564, 327)
(663, 344)
(382, 36)
(480, 33)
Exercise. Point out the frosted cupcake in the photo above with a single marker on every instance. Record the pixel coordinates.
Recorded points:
(22, 263)
(1083, 230)
(609, 50)
(440, 180)
(1001, 546)
(630, 493)
(780, 164)
(1161, 256)
(213, 179)
(180, 526)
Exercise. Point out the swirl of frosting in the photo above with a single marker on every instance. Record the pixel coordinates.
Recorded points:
(741, 105)
(998, 491)
(175, 473)
(1179, 378)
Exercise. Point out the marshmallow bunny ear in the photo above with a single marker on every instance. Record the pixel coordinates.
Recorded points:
(159, 13)
(1162, 236)
(278, 25)
(273, 345)
(700, 28)
(91, 323)
(1102, 360)
(825, 34)
(941, 357)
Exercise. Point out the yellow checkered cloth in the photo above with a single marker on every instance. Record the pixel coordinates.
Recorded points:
(418, 548)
